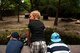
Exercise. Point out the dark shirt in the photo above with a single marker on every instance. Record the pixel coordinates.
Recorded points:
(37, 30)
(14, 46)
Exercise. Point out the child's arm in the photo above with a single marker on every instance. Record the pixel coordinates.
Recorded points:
(28, 36)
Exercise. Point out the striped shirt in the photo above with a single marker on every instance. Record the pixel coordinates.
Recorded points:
(57, 48)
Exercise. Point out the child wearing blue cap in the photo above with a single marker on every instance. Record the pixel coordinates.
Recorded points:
(14, 45)
(56, 45)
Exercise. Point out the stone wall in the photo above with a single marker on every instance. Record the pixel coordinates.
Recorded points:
(26, 49)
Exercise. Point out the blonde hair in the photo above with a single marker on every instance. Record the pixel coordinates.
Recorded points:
(35, 14)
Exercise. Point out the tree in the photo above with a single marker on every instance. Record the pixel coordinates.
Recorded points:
(14, 5)
(27, 5)
(57, 13)
(0, 11)
(4, 5)
(34, 4)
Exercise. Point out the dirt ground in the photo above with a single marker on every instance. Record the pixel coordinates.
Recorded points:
(10, 23)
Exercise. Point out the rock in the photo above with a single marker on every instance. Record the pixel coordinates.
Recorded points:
(77, 22)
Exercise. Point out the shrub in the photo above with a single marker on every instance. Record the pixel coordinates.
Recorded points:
(3, 39)
(3, 35)
(69, 37)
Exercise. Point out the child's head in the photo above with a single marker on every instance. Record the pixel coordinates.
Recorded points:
(35, 14)
(15, 35)
(55, 37)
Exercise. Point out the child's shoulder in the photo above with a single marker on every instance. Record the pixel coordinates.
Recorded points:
(50, 43)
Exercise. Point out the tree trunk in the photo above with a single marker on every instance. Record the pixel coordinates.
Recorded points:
(57, 13)
(0, 11)
(1, 14)
(56, 19)
(34, 4)
(18, 13)
(31, 4)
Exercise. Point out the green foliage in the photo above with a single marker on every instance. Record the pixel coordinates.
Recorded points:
(71, 38)
(3, 38)
(68, 8)
(3, 35)
(12, 4)
(27, 5)
(48, 33)
(67, 37)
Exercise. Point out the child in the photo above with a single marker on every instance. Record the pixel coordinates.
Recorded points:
(14, 45)
(56, 45)
(35, 34)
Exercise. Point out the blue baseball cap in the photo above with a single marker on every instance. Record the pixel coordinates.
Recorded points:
(55, 37)
(15, 35)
